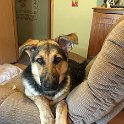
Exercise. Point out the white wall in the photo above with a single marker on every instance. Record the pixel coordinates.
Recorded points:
(68, 19)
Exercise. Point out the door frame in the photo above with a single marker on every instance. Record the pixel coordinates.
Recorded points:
(51, 15)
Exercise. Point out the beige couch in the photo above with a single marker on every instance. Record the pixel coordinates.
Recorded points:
(98, 99)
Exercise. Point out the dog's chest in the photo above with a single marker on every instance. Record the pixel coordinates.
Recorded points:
(30, 84)
(29, 89)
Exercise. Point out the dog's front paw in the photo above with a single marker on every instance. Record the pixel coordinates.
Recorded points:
(47, 118)
(61, 113)
(61, 121)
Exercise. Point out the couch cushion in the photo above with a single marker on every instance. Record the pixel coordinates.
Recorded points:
(104, 89)
(16, 108)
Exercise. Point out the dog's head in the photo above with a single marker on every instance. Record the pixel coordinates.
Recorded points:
(49, 60)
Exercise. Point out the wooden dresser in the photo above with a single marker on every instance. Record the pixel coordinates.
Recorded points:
(102, 22)
(8, 34)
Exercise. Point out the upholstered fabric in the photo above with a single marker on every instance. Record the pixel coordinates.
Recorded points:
(97, 99)
(103, 91)
(15, 107)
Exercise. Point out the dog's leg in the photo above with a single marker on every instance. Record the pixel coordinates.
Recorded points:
(61, 113)
(46, 115)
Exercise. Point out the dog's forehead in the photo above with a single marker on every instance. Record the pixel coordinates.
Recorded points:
(48, 47)
(47, 42)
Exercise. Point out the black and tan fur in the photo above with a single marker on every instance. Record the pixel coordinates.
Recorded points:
(49, 77)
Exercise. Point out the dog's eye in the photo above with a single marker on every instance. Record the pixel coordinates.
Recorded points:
(57, 59)
(40, 61)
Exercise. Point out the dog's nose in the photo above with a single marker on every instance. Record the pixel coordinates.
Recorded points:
(47, 85)
(50, 86)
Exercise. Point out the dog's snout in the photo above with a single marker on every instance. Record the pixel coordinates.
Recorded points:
(47, 85)
(50, 85)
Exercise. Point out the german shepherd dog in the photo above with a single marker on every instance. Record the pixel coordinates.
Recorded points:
(51, 75)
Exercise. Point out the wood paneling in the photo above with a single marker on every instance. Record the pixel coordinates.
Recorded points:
(52, 18)
(101, 26)
(118, 119)
(8, 36)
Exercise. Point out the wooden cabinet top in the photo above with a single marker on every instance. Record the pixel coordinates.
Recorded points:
(109, 10)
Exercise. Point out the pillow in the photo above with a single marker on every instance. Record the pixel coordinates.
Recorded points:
(8, 71)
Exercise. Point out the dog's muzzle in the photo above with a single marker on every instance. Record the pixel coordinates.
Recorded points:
(50, 86)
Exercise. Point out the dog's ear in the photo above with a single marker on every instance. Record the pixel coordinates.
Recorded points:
(29, 46)
(67, 41)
